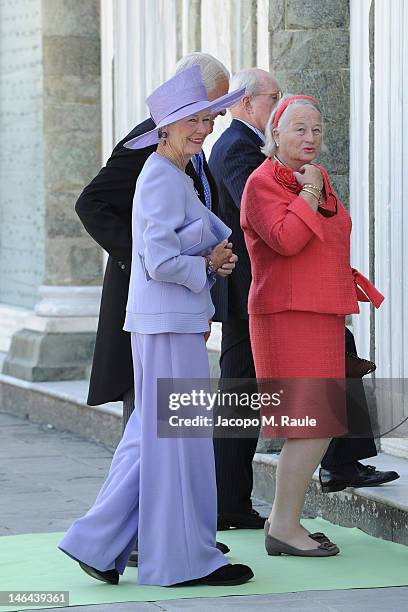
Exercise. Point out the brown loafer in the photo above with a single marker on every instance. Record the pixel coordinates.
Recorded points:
(319, 536)
(275, 547)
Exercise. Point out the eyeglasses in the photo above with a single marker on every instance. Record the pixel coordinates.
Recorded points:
(275, 95)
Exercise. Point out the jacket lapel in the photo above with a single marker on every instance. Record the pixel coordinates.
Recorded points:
(241, 127)
(190, 170)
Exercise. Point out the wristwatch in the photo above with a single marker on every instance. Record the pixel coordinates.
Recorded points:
(210, 266)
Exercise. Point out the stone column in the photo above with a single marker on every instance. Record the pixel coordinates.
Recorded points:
(309, 51)
(189, 12)
(57, 343)
(249, 33)
(243, 25)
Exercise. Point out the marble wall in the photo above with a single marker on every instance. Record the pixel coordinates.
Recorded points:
(309, 53)
(71, 136)
(21, 152)
(50, 130)
(50, 123)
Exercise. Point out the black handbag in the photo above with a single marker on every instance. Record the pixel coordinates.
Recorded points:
(356, 367)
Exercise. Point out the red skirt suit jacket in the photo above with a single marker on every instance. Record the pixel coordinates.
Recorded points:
(300, 260)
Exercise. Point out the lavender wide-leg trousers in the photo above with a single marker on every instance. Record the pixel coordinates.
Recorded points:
(161, 491)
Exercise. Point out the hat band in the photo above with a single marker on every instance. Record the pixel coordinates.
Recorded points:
(178, 109)
(286, 103)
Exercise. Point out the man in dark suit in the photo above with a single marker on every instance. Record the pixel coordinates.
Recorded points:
(234, 156)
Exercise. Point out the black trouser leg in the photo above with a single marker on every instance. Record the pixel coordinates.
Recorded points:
(344, 451)
(233, 456)
(128, 406)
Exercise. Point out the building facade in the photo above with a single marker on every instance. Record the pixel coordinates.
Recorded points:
(74, 78)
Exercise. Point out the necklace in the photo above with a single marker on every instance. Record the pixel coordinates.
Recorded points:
(172, 156)
(276, 158)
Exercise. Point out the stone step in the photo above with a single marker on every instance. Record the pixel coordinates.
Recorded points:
(61, 404)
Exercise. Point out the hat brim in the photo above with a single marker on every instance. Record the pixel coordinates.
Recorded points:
(151, 138)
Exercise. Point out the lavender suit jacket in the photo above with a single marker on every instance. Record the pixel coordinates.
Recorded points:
(169, 289)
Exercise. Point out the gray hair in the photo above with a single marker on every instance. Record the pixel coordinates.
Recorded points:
(248, 78)
(212, 70)
(269, 149)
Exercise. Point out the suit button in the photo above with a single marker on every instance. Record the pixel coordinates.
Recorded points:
(122, 266)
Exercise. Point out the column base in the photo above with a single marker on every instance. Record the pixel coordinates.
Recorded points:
(48, 356)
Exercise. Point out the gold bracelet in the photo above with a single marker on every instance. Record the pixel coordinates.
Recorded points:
(308, 190)
(312, 186)
(314, 190)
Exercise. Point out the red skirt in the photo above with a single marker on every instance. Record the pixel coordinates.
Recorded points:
(304, 354)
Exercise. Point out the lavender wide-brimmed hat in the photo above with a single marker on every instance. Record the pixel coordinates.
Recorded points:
(181, 96)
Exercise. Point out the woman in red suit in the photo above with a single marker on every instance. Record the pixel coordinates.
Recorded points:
(298, 237)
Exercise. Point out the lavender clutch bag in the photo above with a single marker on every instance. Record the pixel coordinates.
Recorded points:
(190, 235)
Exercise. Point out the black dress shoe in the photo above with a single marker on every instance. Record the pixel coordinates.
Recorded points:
(227, 575)
(222, 547)
(368, 476)
(364, 476)
(133, 559)
(110, 576)
(248, 520)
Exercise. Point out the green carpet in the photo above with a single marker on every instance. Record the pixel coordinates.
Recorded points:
(32, 562)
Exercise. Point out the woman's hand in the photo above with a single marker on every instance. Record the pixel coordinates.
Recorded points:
(227, 268)
(222, 254)
(310, 174)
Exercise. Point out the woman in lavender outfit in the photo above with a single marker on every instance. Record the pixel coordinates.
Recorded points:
(162, 490)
